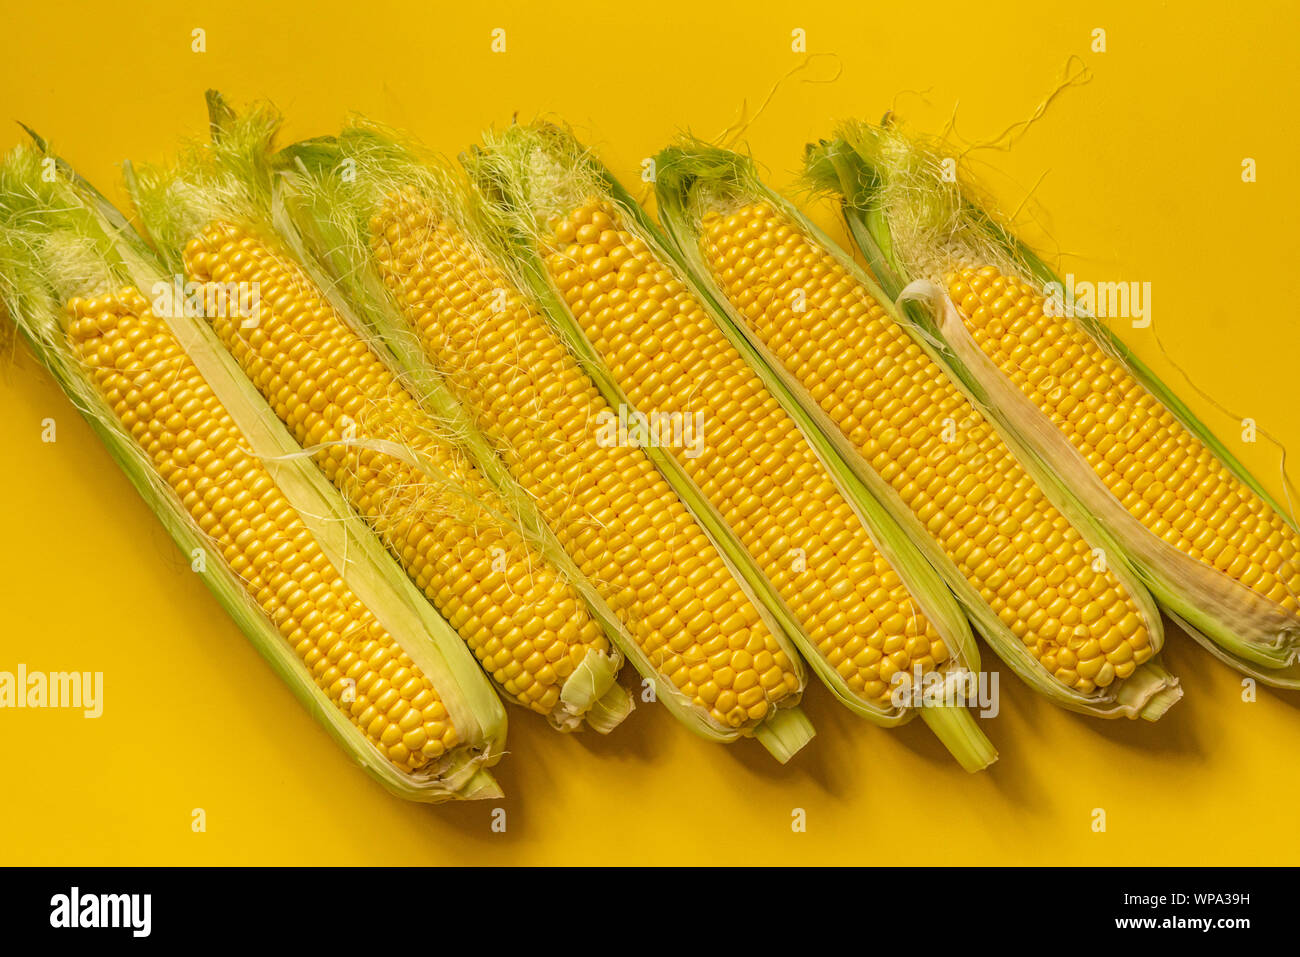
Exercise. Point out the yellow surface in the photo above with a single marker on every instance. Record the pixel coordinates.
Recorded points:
(1140, 169)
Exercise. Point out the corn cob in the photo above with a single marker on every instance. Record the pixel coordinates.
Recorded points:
(451, 308)
(305, 583)
(1019, 555)
(861, 604)
(402, 469)
(1220, 555)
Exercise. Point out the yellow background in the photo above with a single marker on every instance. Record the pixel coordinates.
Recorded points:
(1140, 170)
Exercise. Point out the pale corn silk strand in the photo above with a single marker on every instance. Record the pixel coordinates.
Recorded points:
(430, 470)
(732, 133)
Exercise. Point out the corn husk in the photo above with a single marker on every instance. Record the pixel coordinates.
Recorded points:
(695, 177)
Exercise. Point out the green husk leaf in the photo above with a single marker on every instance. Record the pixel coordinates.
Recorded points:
(606, 712)
(905, 214)
(956, 727)
(693, 179)
(785, 733)
(58, 238)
